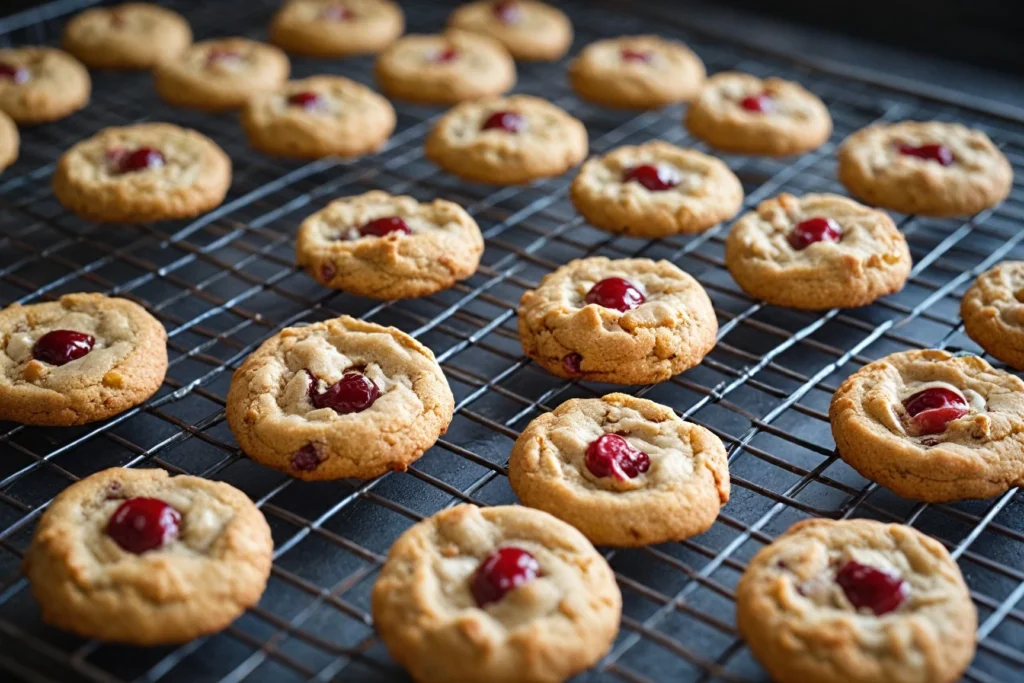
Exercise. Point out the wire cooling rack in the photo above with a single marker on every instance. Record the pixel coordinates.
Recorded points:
(226, 281)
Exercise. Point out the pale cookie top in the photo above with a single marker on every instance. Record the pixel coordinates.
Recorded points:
(9, 141)
(530, 30)
(134, 34)
(44, 84)
(993, 312)
(237, 65)
(320, 27)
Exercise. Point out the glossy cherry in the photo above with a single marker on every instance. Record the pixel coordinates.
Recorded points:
(307, 100)
(60, 347)
(612, 456)
(508, 121)
(761, 104)
(501, 572)
(508, 11)
(654, 178)
(353, 393)
(140, 160)
(817, 229)
(571, 363)
(617, 293)
(940, 154)
(306, 459)
(934, 408)
(445, 55)
(628, 54)
(141, 524)
(337, 13)
(876, 589)
(379, 227)
(15, 74)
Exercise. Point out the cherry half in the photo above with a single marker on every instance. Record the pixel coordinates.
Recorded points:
(571, 363)
(15, 74)
(60, 347)
(379, 227)
(445, 55)
(337, 13)
(139, 160)
(508, 11)
(817, 229)
(865, 586)
(761, 104)
(654, 178)
(934, 408)
(616, 293)
(940, 154)
(612, 456)
(628, 54)
(501, 572)
(307, 100)
(508, 121)
(306, 459)
(141, 524)
(353, 393)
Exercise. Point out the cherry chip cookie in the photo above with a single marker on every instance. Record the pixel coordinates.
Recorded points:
(624, 471)
(532, 31)
(993, 312)
(495, 595)
(135, 35)
(929, 168)
(386, 247)
(139, 557)
(336, 28)
(656, 190)
(932, 426)
(856, 601)
(10, 141)
(340, 398)
(41, 84)
(82, 358)
(743, 114)
(817, 252)
(628, 321)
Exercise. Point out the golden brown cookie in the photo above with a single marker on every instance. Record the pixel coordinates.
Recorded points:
(932, 426)
(655, 190)
(495, 595)
(139, 557)
(141, 173)
(135, 35)
(532, 31)
(336, 28)
(993, 312)
(744, 114)
(636, 72)
(817, 252)
(930, 168)
(856, 601)
(9, 141)
(41, 84)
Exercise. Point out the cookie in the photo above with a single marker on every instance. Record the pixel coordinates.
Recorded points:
(140, 557)
(318, 117)
(135, 35)
(817, 252)
(627, 321)
(339, 398)
(932, 426)
(9, 141)
(856, 601)
(929, 168)
(386, 247)
(655, 190)
(625, 471)
(636, 72)
(445, 69)
(507, 141)
(142, 173)
(221, 74)
(993, 312)
(41, 84)
(336, 28)
(495, 595)
(743, 114)
(532, 31)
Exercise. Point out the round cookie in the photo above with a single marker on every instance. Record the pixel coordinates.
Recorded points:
(532, 31)
(142, 173)
(318, 117)
(221, 74)
(135, 35)
(744, 114)
(507, 141)
(932, 426)
(627, 321)
(856, 601)
(386, 247)
(445, 69)
(817, 252)
(625, 471)
(929, 168)
(140, 557)
(495, 595)
(993, 312)
(636, 72)
(41, 84)
(82, 358)
(9, 141)
(336, 28)
(655, 190)
(339, 398)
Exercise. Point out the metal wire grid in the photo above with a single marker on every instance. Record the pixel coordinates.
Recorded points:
(226, 281)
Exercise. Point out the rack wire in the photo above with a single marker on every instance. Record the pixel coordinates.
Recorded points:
(224, 282)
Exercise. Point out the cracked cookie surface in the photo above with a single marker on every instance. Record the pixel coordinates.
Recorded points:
(336, 28)
(134, 35)
(531, 31)
(42, 85)
(993, 312)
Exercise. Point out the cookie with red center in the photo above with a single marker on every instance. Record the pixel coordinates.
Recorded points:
(495, 595)
(386, 247)
(10, 141)
(318, 117)
(531, 31)
(817, 252)
(445, 69)
(625, 471)
(143, 558)
(336, 28)
(993, 312)
(743, 114)
(507, 141)
(925, 167)
(625, 321)
(655, 190)
(133, 35)
(856, 601)
(932, 426)
(41, 84)
(636, 72)
(339, 398)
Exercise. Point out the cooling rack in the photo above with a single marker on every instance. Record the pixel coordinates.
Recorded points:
(225, 281)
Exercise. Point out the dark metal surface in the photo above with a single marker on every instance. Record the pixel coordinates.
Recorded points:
(224, 282)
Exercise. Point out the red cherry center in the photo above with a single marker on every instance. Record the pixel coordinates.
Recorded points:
(501, 572)
(15, 74)
(138, 160)
(508, 121)
(630, 55)
(617, 293)
(876, 589)
(762, 103)
(654, 178)
(337, 13)
(940, 154)
(353, 393)
(62, 346)
(445, 55)
(613, 456)
(571, 363)
(379, 227)
(817, 229)
(141, 524)
(934, 408)
(307, 100)
(306, 459)
(508, 11)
